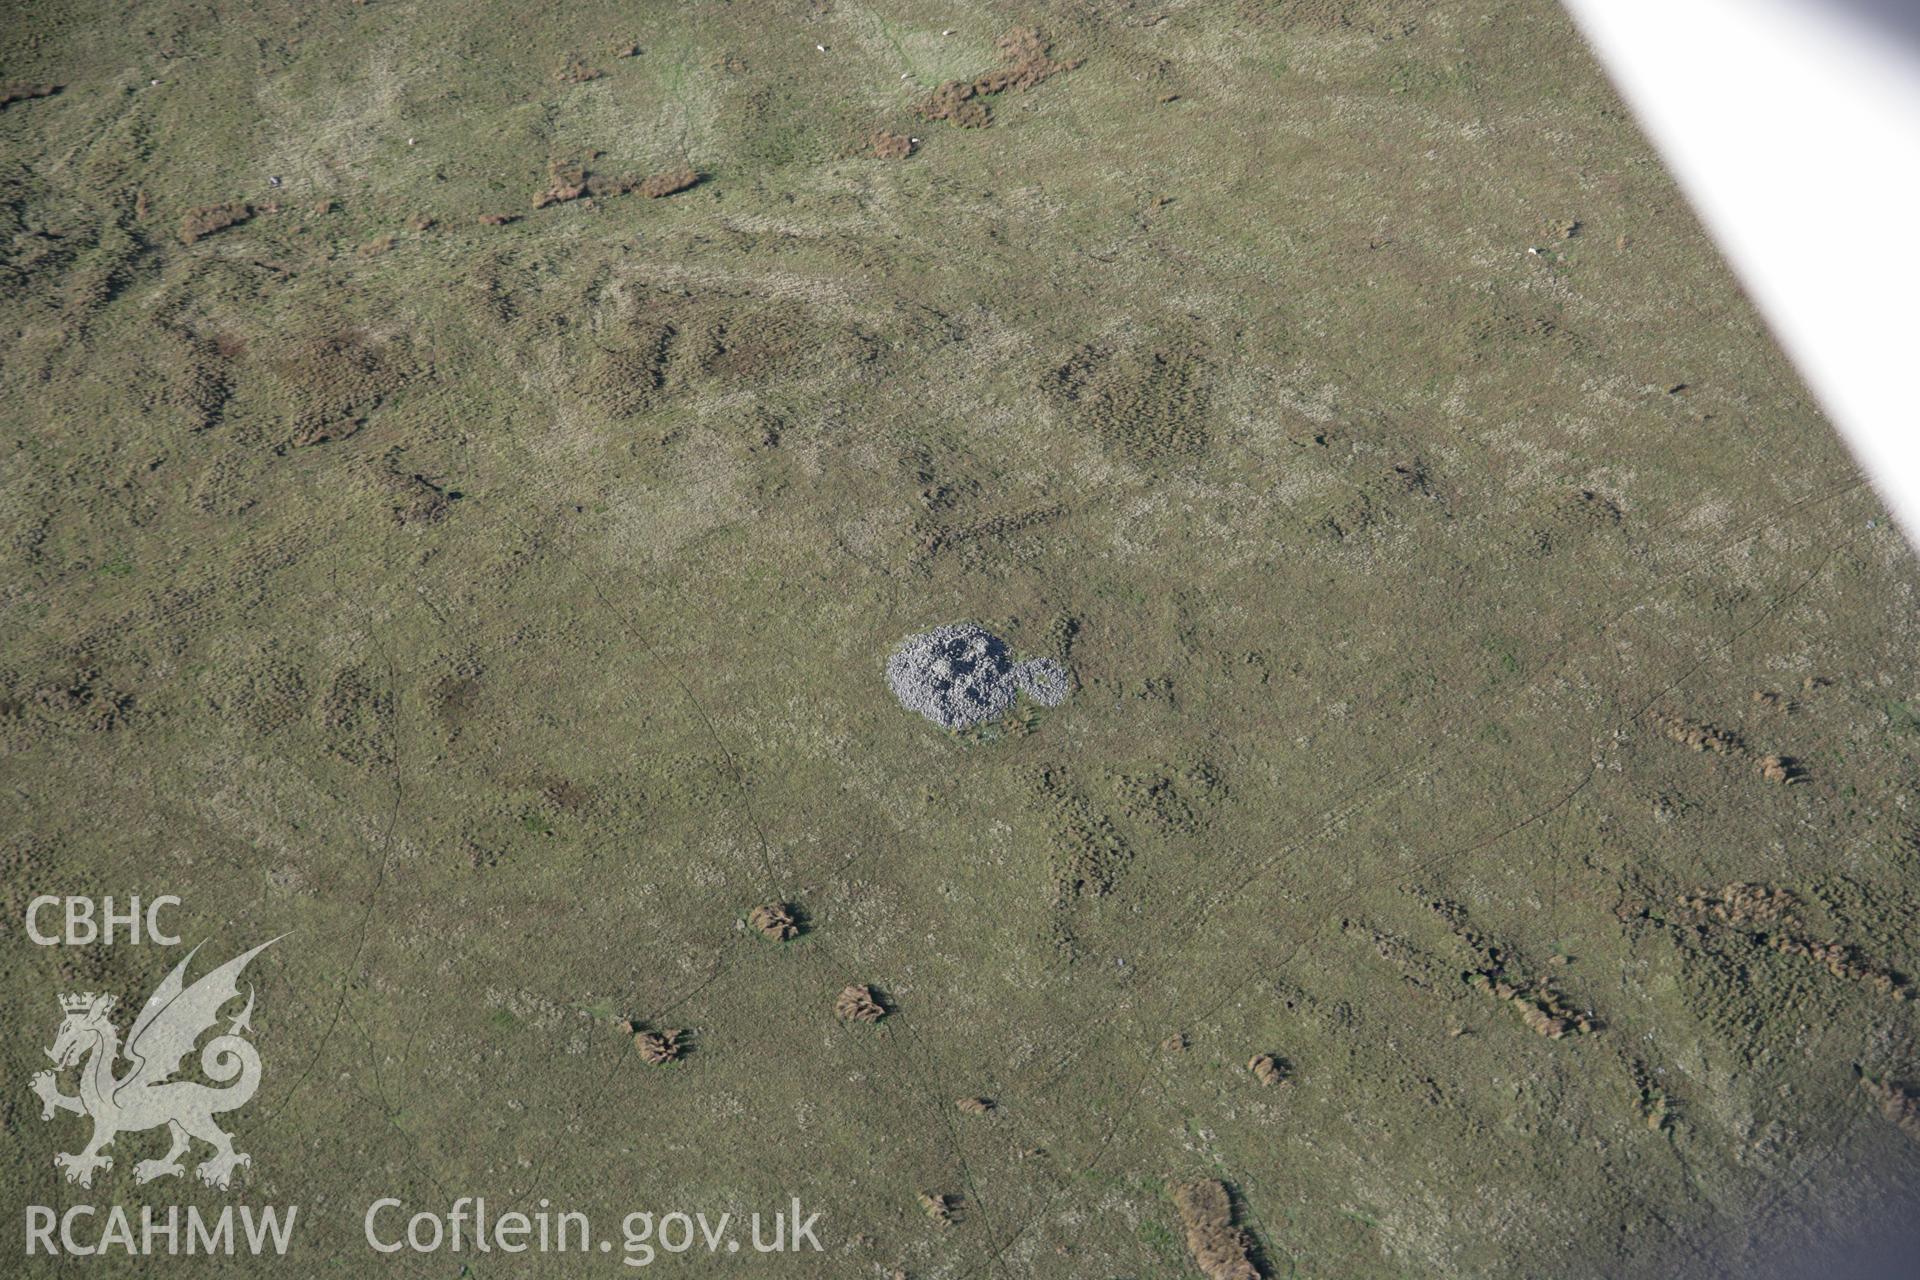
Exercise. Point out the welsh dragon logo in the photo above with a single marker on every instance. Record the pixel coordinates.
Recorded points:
(145, 1096)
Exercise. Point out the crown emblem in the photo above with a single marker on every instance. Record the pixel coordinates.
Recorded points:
(165, 1032)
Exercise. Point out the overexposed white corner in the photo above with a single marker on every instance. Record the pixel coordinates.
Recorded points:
(1794, 128)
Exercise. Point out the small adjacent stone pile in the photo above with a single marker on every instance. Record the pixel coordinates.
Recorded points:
(1221, 1250)
(961, 675)
(1900, 1106)
(1043, 680)
(858, 1003)
(938, 1206)
(1267, 1069)
(775, 920)
(656, 1048)
(1543, 1009)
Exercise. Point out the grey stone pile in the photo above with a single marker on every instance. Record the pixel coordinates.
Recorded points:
(961, 675)
(1043, 680)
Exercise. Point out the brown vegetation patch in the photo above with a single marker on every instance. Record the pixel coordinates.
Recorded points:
(21, 91)
(1741, 904)
(669, 182)
(888, 145)
(657, 1048)
(1267, 1069)
(859, 1003)
(775, 920)
(563, 183)
(957, 101)
(1704, 737)
(1769, 917)
(1695, 736)
(209, 218)
(1841, 961)
(1540, 1007)
(1028, 60)
(572, 182)
(1900, 1106)
(1220, 1250)
(1781, 769)
(1497, 971)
